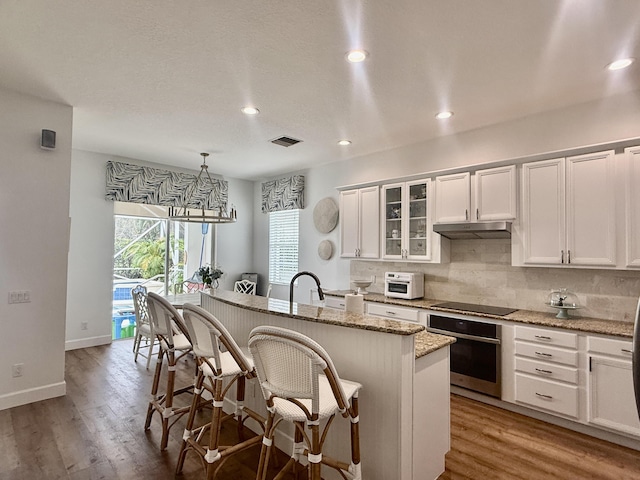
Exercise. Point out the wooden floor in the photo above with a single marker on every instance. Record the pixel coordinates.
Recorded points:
(96, 432)
(491, 443)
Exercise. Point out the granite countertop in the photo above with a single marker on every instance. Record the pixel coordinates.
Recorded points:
(576, 322)
(426, 342)
(314, 313)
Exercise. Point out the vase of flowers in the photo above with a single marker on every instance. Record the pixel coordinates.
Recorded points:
(210, 276)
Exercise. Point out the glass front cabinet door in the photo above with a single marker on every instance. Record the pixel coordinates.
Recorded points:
(407, 221)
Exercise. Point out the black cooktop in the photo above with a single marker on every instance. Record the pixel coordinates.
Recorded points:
(470, 307)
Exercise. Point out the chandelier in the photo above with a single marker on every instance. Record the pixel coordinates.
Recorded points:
(200, 214)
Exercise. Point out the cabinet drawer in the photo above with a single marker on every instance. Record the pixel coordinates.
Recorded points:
(610, 346)
(547, 370)
(547, 354)
(392, 311)
(547, 337)
(547, 395)
(335, 302)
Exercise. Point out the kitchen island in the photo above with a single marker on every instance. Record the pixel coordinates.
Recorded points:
(404, 402)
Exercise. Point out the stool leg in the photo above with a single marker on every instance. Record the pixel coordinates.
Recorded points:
(298, 447)
(355, 439)
(154, 388)
(168, 400)
(315, 468)
(265, 451)
(240, 393)
(150, 352)
(197, 395)
(214, 431)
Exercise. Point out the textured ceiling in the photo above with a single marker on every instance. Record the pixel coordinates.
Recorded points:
(162, 80)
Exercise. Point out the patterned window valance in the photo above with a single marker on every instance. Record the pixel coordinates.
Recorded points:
(283, 194)
(153, 186)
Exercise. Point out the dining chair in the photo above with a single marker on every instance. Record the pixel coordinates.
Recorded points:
(173, 337)
(245, 286)
(144, 328)
(300, 385)
(221, 364)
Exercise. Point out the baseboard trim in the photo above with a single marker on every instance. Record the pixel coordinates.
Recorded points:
(23, 397)
(87, 342)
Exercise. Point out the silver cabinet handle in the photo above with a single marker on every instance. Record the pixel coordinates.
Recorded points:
(626, 350)
(546, 397)
(561, 256)
(542, 337)
(466, 214)
(477, 214)
(546, 372)
(390, 313)
(548, 355)
(568, 256)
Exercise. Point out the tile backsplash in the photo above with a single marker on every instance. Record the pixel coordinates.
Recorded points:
(480, 271)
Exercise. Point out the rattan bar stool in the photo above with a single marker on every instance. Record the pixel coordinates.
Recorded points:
(174, 341)
(301, 385)
(221, 364)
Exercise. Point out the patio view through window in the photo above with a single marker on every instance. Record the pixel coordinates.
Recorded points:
(142, 256)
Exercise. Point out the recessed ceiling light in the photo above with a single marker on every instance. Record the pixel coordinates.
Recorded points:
(250, 110)
(620, 64)
(344, 142)
(444, 115)
(355, 56)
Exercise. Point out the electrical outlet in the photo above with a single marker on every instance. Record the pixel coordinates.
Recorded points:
(16, 370)
(20, 296)
(84, 325)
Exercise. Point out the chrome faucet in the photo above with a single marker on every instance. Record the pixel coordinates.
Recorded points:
(309, 274)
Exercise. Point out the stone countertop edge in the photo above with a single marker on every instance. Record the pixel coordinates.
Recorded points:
(313, 313)
(581, 324)
(427, 342)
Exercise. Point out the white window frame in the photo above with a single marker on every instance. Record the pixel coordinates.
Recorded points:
(284, 240)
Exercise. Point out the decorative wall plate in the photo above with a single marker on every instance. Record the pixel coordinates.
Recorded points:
(325, 250)
(325, 215)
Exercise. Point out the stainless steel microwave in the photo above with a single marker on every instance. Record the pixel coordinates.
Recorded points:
(404, 285)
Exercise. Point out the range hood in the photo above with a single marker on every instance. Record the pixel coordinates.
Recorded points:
(457, 231)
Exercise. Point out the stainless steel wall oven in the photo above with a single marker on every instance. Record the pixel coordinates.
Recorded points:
(475, 356)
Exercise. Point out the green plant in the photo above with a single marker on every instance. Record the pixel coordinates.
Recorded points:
(209, 275)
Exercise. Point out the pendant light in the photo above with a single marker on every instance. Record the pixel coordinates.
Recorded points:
(200, 214)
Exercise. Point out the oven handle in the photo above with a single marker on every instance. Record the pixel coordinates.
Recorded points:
(495, 341)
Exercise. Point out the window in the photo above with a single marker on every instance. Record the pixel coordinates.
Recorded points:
(283, 245)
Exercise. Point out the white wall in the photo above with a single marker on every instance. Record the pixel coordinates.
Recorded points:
(91, 247)
(333, 273)
(609, 120)
(34, 239)
(90, 267)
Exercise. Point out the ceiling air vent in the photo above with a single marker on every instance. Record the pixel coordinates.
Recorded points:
(285, 141)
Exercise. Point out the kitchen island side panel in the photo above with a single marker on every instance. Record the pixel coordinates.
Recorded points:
(383, 363)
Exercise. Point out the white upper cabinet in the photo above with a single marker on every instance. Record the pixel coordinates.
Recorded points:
(407, 226)
(495, 194)
(568, 211)
(453, 198)
(360, 223)
(494, 199)
(632, 204)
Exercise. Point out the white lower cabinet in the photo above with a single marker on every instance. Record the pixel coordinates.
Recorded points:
(581, 377)
(548, 395)
(393, 312)
(611, 400)
(546, 370)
